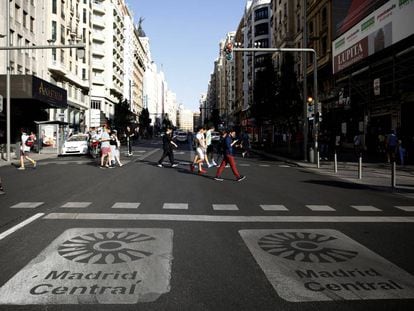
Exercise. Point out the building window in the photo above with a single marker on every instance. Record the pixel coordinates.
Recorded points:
(324, 45)
(261, 29)
(83, 74)
(262, 13)
(311, 28)
(84, 16)
(298, 21)
(95, 104)
(31, 24)
(62, 56)
(17, 12)
(62, 9)
(25, 19)
(54, 58)
(264, 43)
(54, 31)
(54, 6)
(324, 17)
(62, 34)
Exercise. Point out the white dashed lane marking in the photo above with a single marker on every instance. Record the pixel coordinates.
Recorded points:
(406, 208)
(366, 208)
(126, 205)
(27, 205)
(320, 208)
(76, 205)
(225, 207)
(274, 207)
(183, 206)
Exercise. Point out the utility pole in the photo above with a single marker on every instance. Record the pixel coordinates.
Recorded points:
(305, 82)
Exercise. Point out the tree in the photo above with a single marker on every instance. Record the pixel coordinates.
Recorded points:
(144, 120)
(123, 116)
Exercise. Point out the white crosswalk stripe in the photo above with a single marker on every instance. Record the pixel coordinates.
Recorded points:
(27, 205)
(126, 205)
(320, 208)
(274, 207)
(225, 207)
(366, 208)
(175, 206)
(406, 208)
(76, 205)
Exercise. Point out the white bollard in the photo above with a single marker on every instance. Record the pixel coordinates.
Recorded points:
(393, 175)
(335, 163)
(360, 168)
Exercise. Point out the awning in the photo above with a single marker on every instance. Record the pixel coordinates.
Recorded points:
(26, 87)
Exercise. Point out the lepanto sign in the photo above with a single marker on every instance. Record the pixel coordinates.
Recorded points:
(325, 265)
(96, 266)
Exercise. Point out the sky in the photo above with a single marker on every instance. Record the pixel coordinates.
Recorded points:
(184, 37)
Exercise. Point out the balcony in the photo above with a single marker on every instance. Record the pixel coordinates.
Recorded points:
(98, 50)
(98, 36)
(98, 7)
(57, 68)
(98, 21)
(97, 64)
(98, 80)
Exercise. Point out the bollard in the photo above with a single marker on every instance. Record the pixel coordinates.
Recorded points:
(393, 175)
(335, 163)
(318, 163)
(360, 167)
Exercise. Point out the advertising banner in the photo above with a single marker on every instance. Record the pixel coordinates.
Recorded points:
(387, 25)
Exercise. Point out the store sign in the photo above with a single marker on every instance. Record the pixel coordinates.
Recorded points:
(96, 266)
(49, 93)
(387, 25)
(325, 265)
(377, 87)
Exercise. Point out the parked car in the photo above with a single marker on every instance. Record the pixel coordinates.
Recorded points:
(76, 144)
(181, 137)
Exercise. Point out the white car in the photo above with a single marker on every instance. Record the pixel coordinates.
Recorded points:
(76, 144)
(181, 137)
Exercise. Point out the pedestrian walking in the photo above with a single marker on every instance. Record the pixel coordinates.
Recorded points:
(115, 144)
(25, 146)
(210, 148)
(228, 156)
(168, 144)
(391, 146)
(1, 188)
(129, 133)
(245, 144)
(200, 144)
(105, 148)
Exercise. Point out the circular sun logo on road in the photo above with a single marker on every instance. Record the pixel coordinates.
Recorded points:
(105, 247)
(305, 247)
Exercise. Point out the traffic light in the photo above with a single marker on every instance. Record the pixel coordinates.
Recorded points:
(228, 51)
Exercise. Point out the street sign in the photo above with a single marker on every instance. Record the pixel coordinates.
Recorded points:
(305, 265)
(96, 266)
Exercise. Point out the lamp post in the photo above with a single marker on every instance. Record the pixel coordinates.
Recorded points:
(8, 81)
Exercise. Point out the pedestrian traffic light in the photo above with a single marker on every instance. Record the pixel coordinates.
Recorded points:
(228, 51)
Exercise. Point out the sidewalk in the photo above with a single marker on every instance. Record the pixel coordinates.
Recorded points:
(375, 175)
(34, 155)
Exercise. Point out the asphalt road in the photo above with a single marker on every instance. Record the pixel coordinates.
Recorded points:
(142, 237)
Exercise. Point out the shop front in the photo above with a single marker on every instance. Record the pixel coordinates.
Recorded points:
(31, 98)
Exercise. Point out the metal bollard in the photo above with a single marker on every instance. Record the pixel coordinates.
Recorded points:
(393, 175)
(360, 167)
(335, 163)
(318, 163)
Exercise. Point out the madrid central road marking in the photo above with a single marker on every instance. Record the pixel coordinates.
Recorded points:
(233, 219)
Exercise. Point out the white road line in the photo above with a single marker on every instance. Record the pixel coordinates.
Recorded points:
(320, 208)
(274, 207)
(242, 164)
(233, 219)
(406, 208)
(366, 208)
(20, 225)
(264, 165)
(175, 206)
(125, 205)
(76, 205)
(27, 205)
(146, 155)
(225, 207)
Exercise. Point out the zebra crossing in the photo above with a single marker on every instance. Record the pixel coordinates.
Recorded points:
(215, 207)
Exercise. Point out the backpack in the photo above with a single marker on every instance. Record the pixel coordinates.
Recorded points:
(29, 142)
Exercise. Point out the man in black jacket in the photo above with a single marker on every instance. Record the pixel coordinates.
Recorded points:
(168, 148)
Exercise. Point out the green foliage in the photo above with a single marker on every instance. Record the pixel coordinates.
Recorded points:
(144, 119)
(123, 116)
